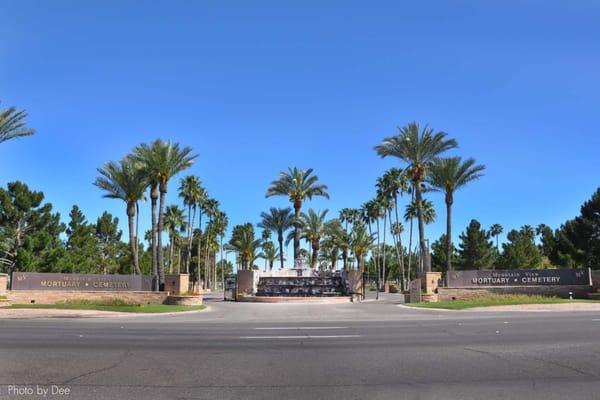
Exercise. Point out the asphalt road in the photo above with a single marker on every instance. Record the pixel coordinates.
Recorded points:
(272, 351)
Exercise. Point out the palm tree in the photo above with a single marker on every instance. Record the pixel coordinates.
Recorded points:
(12, 124)
(427, 209)
(161, 161)
(278, 220)
(496, 230)
(373, 211)
(392, 185)
(429, 216)
(447, 175)
(361, 243)
(246, 246)
(124, 181)
(419, 149)
(174, 223)
(192, 193)
(211, 209)
(313, 228)
(270, 253)
(220, 223)
(336, 239)
(299, 185)
(266, 236)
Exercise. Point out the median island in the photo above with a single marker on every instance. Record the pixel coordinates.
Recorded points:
(112, 306)
(499, 300)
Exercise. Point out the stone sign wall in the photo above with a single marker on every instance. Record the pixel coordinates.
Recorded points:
(498, 278)
(80, 282)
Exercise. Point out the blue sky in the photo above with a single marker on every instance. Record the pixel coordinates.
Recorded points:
(257, 86)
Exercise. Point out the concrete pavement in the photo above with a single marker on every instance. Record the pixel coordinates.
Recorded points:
(372, 350)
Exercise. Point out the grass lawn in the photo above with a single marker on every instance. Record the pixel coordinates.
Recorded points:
(117, 306)
(491, 301)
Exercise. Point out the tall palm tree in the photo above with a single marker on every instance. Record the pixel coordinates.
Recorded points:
(161, 161)
(361, 241)
(220, 228)
(429, 216)
(392, 185)
(12, 124)
(373, 211)
(192, 192)
(496, 230)
(174, 223)
(211, 210)
(299, 185)
(419, 149)
(447, 175)
(124, 181)
(313, 228)
(278, 220)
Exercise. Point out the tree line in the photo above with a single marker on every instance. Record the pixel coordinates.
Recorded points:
(371, 237)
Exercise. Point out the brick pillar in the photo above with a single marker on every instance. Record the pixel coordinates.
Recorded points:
(3, 284)
(177, 284)
(430, 282)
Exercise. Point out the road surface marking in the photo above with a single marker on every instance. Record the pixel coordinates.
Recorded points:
(301, 337)
(294, 328)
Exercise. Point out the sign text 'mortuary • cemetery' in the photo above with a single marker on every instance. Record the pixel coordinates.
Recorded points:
(520, 277)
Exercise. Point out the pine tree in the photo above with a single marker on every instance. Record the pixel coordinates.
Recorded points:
(29, 231)
(521, 252)
(476, 250)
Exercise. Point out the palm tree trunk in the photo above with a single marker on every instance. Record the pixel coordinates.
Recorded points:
(179, 259)
(448, 236)
(398, 257)
(222, 266)
(198, 249)
(345, 259)
(400, 250)
(297, 207)
(191, 218)
(410, 240)
(171, 249)
(160, 258)
(137, 237)
(384, 232)
(424, 250)
(280, 240)
(154, 198)
(377, 261)
(315, 255)
(132, 246)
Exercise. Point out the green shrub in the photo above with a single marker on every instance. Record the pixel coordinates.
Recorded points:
(111, 303)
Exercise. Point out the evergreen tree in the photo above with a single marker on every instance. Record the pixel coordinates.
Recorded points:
(438, 254)
(521, 252)
(577, 242)
(476, 250)
(81, 245)
(29, 231)
(110, 247)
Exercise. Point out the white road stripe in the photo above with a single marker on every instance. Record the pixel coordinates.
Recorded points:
(301, 337)
(304, 328)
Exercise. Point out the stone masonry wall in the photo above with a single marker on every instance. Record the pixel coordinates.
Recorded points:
(52, 297)
(596, 280)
